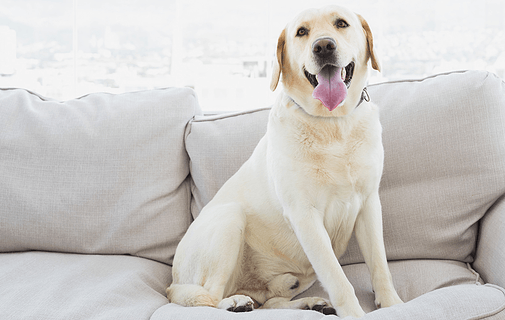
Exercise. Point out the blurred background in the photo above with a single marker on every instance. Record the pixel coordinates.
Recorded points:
(63, 49)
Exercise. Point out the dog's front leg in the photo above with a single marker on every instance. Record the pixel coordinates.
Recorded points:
(307, 223)
(369, 234)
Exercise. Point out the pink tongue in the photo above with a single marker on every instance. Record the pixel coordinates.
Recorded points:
(331, 90)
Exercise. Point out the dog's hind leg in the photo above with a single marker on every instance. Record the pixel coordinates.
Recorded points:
(208, 259)
(190, 295)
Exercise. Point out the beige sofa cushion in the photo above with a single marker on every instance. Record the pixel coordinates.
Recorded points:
(62, 286)
(99, 174)
(53, 286)
(444, 168)
(443, 139)
(459, 301)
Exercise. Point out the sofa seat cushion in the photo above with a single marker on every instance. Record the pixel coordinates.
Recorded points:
(411, 278)
(443, 166)
(52, 286)
(431, 289)
(453, 303)
(102, 174)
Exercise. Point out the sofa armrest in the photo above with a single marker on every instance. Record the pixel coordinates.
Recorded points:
(490, 255)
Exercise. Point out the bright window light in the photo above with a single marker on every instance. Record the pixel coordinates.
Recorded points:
(224, 49)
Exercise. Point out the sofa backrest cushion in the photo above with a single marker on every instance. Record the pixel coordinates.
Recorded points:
(444, 141)
(102, 174)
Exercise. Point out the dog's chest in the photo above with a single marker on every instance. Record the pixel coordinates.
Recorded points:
(346, 158)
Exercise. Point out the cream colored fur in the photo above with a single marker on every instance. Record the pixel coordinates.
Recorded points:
(285, 217)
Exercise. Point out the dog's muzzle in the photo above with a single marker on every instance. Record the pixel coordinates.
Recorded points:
(347, 74)
(324, 50)
(332, 80)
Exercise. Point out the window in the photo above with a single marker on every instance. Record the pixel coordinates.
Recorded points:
(223, 49)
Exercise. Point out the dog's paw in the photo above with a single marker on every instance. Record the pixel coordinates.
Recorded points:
(387, 299)
(384, 302)
(324, 309)
(237, 303)
(320, 305)
(350, 308)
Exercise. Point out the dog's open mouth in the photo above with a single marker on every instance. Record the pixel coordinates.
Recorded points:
(346, 74)
(331, 84)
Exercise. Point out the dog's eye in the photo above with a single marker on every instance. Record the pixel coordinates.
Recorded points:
(302, 32)
(341, 24)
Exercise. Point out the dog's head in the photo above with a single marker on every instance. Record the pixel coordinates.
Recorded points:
(323, 57)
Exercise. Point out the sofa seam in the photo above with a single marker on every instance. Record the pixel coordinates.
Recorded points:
(422, 79)
(475, 273)
(493, 312)
(33, 93)
(47, 99)
(477, 255)
(226, 115)
(187, 132)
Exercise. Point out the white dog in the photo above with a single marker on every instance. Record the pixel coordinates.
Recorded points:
(286, 216)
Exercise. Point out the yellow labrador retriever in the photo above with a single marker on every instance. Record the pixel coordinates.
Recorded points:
(285, 217)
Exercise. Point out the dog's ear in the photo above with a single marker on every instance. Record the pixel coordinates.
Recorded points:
(277, 68)
(369, 39)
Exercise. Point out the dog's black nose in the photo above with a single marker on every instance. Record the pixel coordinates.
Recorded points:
(324, 47)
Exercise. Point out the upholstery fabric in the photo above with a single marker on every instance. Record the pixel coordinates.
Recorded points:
(470, 302)
(411, 278)
(443, 165)
(444, 147)
(432, 289)
(100, 174)
(53, 286)
(44, 285)
(490, 258)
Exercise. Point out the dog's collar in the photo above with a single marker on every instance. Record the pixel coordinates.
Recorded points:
(364, 96)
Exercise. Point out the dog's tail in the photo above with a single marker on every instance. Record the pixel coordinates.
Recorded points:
(190, 295)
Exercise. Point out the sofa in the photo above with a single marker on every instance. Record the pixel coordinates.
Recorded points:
(96, 193)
